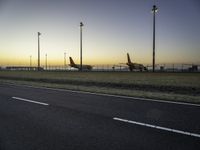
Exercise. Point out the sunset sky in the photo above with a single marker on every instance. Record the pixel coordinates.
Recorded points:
(111, 29)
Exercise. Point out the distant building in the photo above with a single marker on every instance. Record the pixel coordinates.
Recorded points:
(22, 68)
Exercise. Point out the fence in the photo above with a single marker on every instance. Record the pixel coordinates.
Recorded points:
(109, 68)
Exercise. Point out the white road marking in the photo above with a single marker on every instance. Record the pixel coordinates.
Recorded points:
(31, 101)
(158, 127)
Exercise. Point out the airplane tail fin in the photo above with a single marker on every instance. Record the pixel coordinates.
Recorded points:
(128, 57)
(71, 61)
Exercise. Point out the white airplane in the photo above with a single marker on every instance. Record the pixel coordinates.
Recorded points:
(84, 67)
(135, 66)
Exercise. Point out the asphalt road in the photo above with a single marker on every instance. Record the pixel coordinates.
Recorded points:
(47, 119)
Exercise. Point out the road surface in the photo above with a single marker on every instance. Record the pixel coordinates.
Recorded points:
(48, 119)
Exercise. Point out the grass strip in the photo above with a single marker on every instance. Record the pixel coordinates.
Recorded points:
(167, 86)
(106, 90)
(152, 88)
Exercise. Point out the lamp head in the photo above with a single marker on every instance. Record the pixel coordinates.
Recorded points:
(81, 24)
(155, 9)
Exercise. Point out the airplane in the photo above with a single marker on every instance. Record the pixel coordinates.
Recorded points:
(84, 67)
(135, 66)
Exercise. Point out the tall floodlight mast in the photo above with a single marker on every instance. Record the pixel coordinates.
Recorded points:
(39, 51)
(30, 61)
(46, 61)
(81, 25)
(154, 10)
(65, 60)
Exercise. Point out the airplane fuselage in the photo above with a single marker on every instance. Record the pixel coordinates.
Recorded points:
(84, 67)
(135, 66)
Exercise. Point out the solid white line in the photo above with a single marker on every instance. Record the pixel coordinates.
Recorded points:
(118, 96)
(31, 101)
(111, 95)
(158, 127)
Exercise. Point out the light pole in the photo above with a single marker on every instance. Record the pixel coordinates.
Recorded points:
(65, 60)
(81, 25)
(46, 61)
(154, 10)
(39, 51)
(30, 61)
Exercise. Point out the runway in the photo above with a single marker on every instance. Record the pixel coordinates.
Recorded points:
(34, 118)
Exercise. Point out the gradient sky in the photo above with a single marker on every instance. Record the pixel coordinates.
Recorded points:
(112, 28)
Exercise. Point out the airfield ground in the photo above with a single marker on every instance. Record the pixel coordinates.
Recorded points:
(165, 86)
